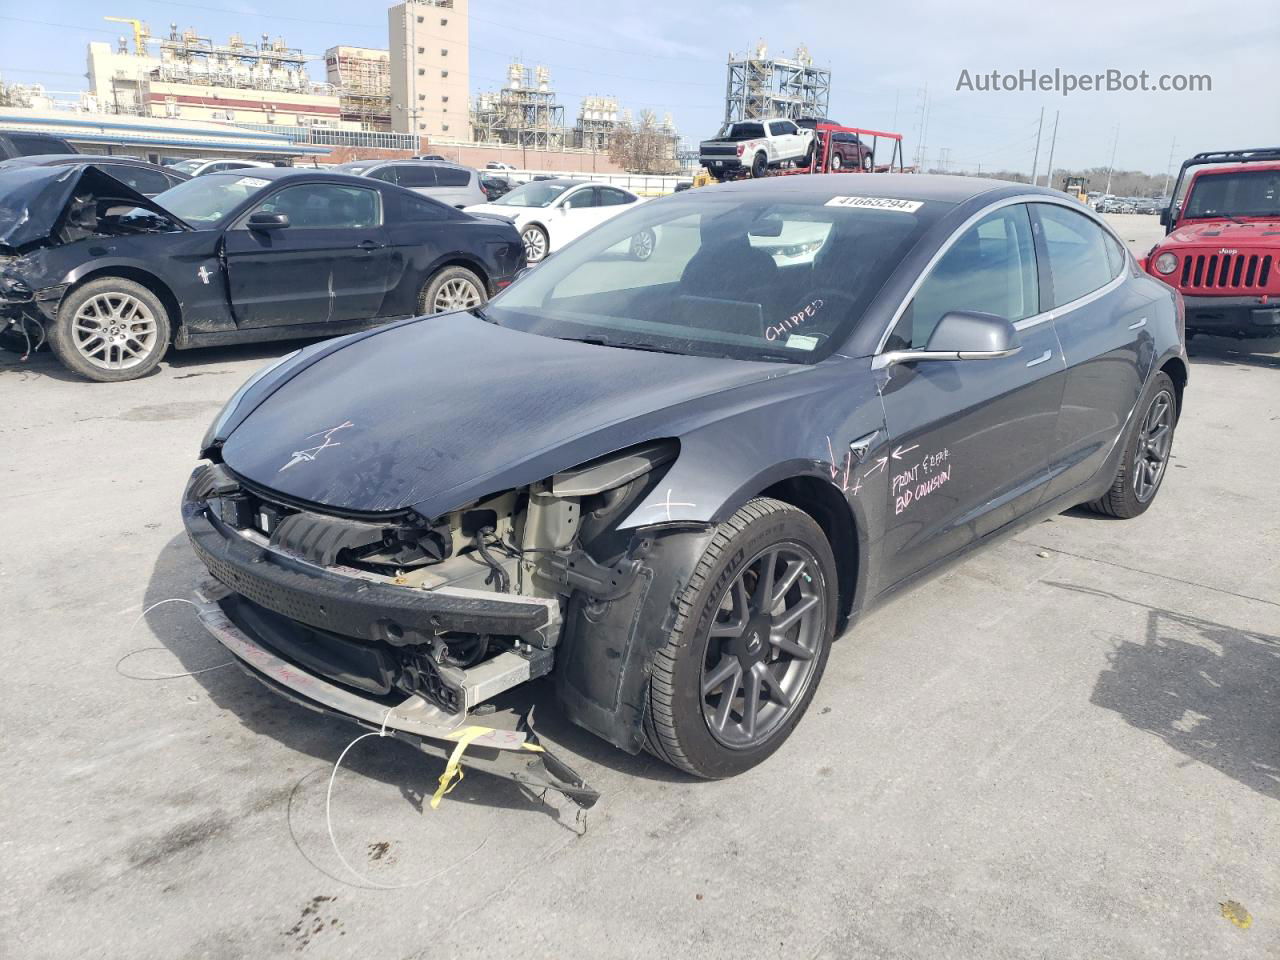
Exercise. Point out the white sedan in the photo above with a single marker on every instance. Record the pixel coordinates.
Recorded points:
(551, 213)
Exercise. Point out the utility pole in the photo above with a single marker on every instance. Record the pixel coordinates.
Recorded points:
(1048, 174)
(1111, 169)
(1169, 169)
(1035, 160)
(944, 157)
(924, 127)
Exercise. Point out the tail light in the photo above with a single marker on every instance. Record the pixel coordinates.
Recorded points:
(740, 148)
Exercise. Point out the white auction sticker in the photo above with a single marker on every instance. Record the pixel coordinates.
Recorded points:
(251, 182)
(877, 203)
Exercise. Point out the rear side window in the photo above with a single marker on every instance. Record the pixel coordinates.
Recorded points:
(385, 174)
(26, 146)
(609, 197)
(1116, 256)
(990, 268)
(149, 182)
(416, 209)
(1078, 259)
(412, 175)
(452, 177)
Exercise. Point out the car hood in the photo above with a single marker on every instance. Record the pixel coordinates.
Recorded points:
(433, 413)
(1227, 232)
(34, 200)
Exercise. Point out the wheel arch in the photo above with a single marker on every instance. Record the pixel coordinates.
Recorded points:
(829, 509)
(140, 276)
(1176, 368)
(458, 258)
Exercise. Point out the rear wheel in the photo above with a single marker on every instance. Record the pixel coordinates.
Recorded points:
(1146, 455)
(535, 243)
(453, 288)
(759, 165)
(643, 244)
(837, 161)
(749, 644)
(109, 330)
(867, 162)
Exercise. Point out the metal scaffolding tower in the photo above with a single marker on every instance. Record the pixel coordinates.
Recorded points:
(760, 87)
(523, 113)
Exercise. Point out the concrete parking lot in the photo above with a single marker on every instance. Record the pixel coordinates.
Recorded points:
(1067, 747)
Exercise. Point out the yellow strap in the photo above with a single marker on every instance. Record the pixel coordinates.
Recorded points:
(453, 774)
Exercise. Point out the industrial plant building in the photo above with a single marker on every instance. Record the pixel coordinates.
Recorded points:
(362, 77)
(430, 77)
(186, 76)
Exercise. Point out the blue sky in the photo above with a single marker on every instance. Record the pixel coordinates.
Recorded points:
(670, 57)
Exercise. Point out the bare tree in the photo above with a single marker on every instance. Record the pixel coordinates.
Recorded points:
(643, 147)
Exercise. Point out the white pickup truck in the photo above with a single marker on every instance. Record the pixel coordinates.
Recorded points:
(755, 146)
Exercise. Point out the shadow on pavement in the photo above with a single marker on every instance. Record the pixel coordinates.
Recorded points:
(1208, 690)
(1227, 351)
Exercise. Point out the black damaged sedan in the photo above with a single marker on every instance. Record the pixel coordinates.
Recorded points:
(669, 483)
(110, 278)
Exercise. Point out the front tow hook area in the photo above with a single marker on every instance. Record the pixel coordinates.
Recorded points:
(513, 754)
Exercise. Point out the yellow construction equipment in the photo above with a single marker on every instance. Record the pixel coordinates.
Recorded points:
(141, 33)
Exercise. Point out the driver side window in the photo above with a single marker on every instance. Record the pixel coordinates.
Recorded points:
(583, 198)
(990, 268)
(324, 206)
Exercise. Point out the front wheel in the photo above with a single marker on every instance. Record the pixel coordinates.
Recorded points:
(535, 243)
(1146, 455)
(749, 644)
(110, 329)
(837, 161)
(453, 288)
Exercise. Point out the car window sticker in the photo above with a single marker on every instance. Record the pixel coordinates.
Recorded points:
(876, 203)
(251, 182)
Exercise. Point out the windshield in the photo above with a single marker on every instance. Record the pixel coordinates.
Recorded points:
(204, 201)
(728, 275)
(537, 194)
(1251, 193)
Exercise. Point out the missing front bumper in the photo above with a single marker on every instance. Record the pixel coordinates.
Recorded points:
(513, 754)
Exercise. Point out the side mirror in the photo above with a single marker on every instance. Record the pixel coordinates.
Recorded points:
(962, 335)
(1164, 217)
(974, 336)
(268, 221)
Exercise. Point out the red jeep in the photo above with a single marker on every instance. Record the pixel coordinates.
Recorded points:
(1222, 248)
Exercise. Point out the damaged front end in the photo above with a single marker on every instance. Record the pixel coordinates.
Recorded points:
(413, 624)
(45, 212)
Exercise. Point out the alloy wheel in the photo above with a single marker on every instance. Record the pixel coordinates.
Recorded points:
(836, 162)
(456, 294)
(642, 244)
(763, 646)
(535, 244)
(114, 331)
(1154, 442)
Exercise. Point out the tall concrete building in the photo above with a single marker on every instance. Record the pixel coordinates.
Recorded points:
(429, 43)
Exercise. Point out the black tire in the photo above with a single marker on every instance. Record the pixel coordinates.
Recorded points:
(868, 162)
(123, 310)
(837, 161)
(437, 294)
(759, 165)
(1124, 499)
(535, 239)
(809, 155)
(677, 727)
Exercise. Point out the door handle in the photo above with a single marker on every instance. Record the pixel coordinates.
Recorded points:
(1140, 324)
(1040, 359)
(368, 245)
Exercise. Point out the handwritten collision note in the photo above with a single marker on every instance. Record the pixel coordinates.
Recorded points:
(930, 473)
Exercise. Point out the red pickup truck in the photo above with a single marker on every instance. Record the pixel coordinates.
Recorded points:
(1222, 245)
